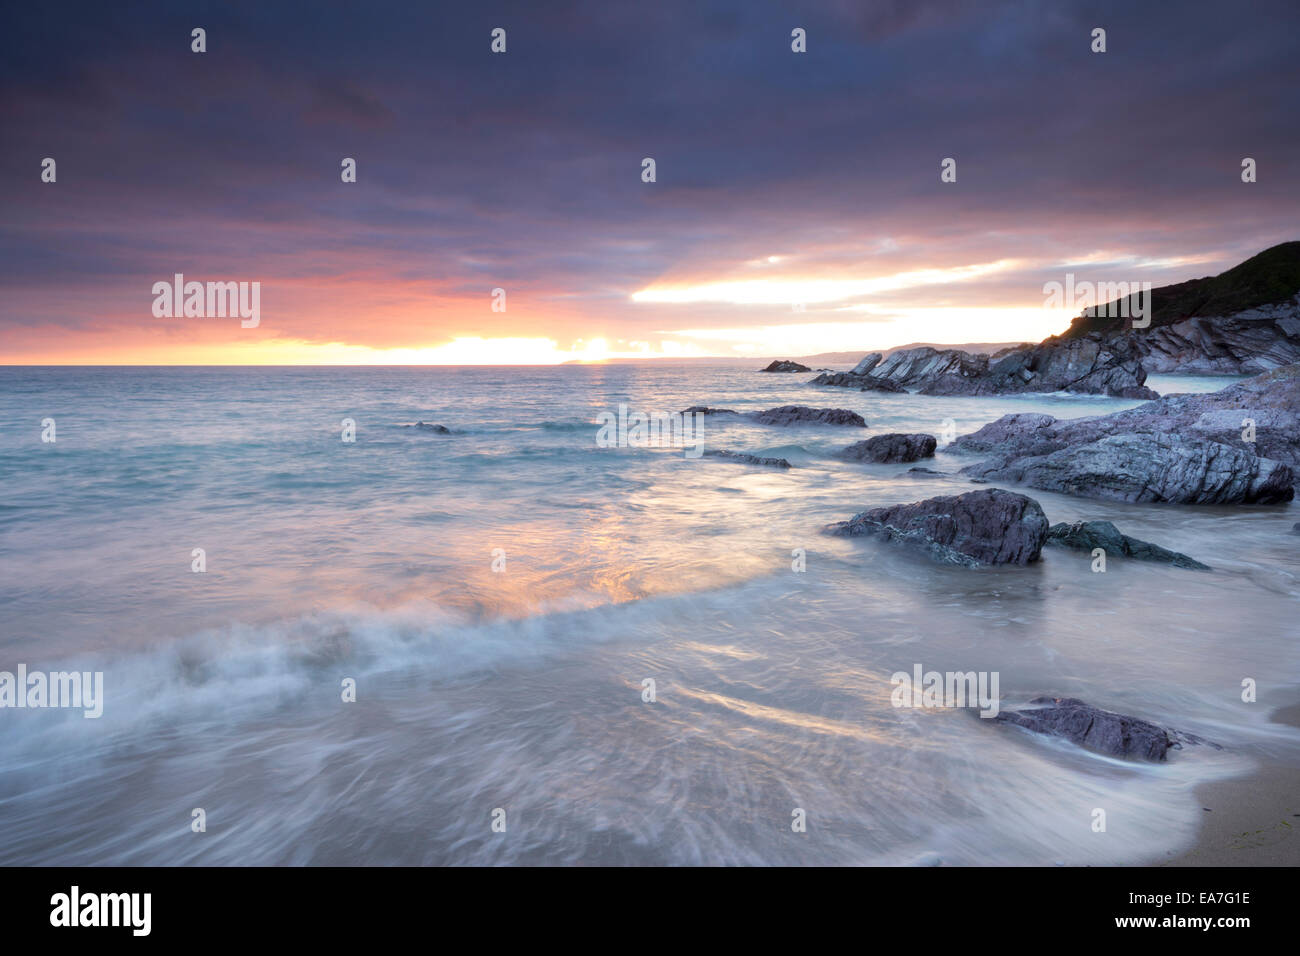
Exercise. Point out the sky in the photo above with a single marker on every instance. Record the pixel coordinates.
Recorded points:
(797, 205)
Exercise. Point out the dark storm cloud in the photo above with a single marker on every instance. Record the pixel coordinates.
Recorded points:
(524, 169)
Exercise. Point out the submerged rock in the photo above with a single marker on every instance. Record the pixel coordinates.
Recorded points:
(706, 410)
(926, 473)
(983, 527)
(894, 447)
(783, 365)
(1087, 535)
(1148, 468)
(748, 459)
(428, 427)
(1097, 729)
(802, 414)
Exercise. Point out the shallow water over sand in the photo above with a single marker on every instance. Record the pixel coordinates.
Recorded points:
(522, 689)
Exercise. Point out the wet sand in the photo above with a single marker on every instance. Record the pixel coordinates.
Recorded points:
(1249, 821)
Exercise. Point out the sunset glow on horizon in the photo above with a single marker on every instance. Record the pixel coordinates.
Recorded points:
(509, 223)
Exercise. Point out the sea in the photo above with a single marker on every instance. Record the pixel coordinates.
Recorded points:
(515, 644)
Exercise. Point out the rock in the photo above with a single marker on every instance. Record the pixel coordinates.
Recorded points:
(983, 527)
(427, 427)
(867, 364)
(1023, 429)
(705, 410)
(926, 473)
(1295, 528)
(1022, 433)
(1091, 364)
(1243, 321)
(893, 447)
(749, 459)
(1149, 468)
(1087, 535)
(1265, 408)
(863, 383)
(920, 367)
(802, 414)
(1100, 730)
(1247, 343)
(785, 366)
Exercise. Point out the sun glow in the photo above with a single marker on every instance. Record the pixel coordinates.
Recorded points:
(884, 328)
(463, 350)
(777, 291)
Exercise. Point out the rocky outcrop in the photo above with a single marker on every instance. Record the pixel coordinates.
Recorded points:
(1089, 535)
(868, 363)
(986, 527)
(747, 459)
(782, 365)
(863, 383)
(706, 410)
(1243, 321)
(1217, 447)
(428, 427)
(1149, 468)
(803, 415)
(1099, 730)
(1249, 342)
(1021, 433)
(893, 447)
(923, 367)
(1091, 365)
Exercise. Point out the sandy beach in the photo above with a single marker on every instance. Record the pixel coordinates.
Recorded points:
(1250, 821)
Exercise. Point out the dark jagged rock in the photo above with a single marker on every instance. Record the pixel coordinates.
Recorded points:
(893, 447)
(706, 410)
(748, 459)
(1090, 365)
(428, 427)
(1087, 535)
(1149, 468)
(1093, 365)
(802, 415)
(926, 473)
(1272, 276)
(985, 527)
(1195, 446)
(1243, 321)
(785, 366)
(1099, 730)
(923, 366)
(863, 383)
(1246, 343)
